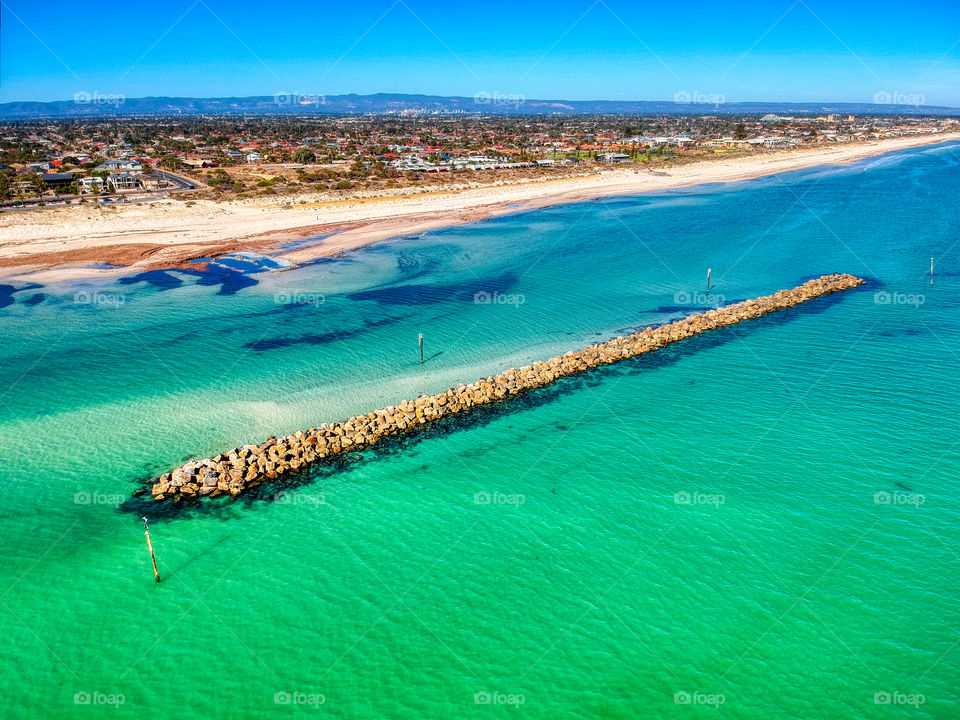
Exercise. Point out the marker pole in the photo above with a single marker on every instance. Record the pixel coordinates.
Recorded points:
(146, 531)
(420, 341)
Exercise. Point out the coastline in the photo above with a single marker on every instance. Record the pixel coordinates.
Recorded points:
(81, 242)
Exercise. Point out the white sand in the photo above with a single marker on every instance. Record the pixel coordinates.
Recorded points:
(175, 228)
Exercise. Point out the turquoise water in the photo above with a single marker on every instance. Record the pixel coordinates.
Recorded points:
(762, 520)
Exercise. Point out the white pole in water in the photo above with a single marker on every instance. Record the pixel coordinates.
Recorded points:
(420, 340)
(146, 529)
(709, 270)
(931, 271)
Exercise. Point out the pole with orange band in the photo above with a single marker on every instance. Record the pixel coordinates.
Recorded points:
(146, 531)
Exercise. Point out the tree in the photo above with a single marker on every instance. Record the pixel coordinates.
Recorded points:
(740, 131)
(35, 183)
(218, 177)
(304, 156)
(278, 155)
(170, 162)
(357, 168)
(4, 186)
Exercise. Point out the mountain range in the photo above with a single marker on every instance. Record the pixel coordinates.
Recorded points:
(97, 104)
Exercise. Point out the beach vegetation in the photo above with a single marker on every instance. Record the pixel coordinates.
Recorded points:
(218, 178)
(304, 156)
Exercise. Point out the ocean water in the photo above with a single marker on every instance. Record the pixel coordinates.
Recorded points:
(759, 522)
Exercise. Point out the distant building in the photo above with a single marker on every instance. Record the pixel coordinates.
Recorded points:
(89, 184)
(123, 181)
(613, 158)
(728, 143)
(115, 166)
(779, 142)
(254, 157)
(200, 162)
(57, 180)
(413, 162)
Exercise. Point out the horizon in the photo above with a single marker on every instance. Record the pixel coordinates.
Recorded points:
(680, 103)
(799, 52)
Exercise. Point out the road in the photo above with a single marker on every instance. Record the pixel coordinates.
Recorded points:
(181, 182)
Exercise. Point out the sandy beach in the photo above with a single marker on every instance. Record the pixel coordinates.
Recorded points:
(63, 243)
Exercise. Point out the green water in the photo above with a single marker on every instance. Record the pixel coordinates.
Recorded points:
(814, 567)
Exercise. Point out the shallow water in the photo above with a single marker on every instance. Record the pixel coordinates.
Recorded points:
(765, 516)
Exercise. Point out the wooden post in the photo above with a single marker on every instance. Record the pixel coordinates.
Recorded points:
(709, 270)
(931, 271)
(146, 531)
(420, 340)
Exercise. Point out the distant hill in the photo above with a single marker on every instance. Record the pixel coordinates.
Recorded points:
(86, 105)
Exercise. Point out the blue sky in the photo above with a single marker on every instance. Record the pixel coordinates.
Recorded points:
(787, 50)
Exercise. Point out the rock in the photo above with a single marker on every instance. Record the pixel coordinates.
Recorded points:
(248, 466)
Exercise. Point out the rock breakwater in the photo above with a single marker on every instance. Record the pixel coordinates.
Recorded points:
(243, 468)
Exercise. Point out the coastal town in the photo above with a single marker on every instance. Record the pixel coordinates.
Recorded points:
(45, 163)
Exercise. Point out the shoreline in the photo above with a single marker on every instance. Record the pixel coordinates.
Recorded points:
(91, 243)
